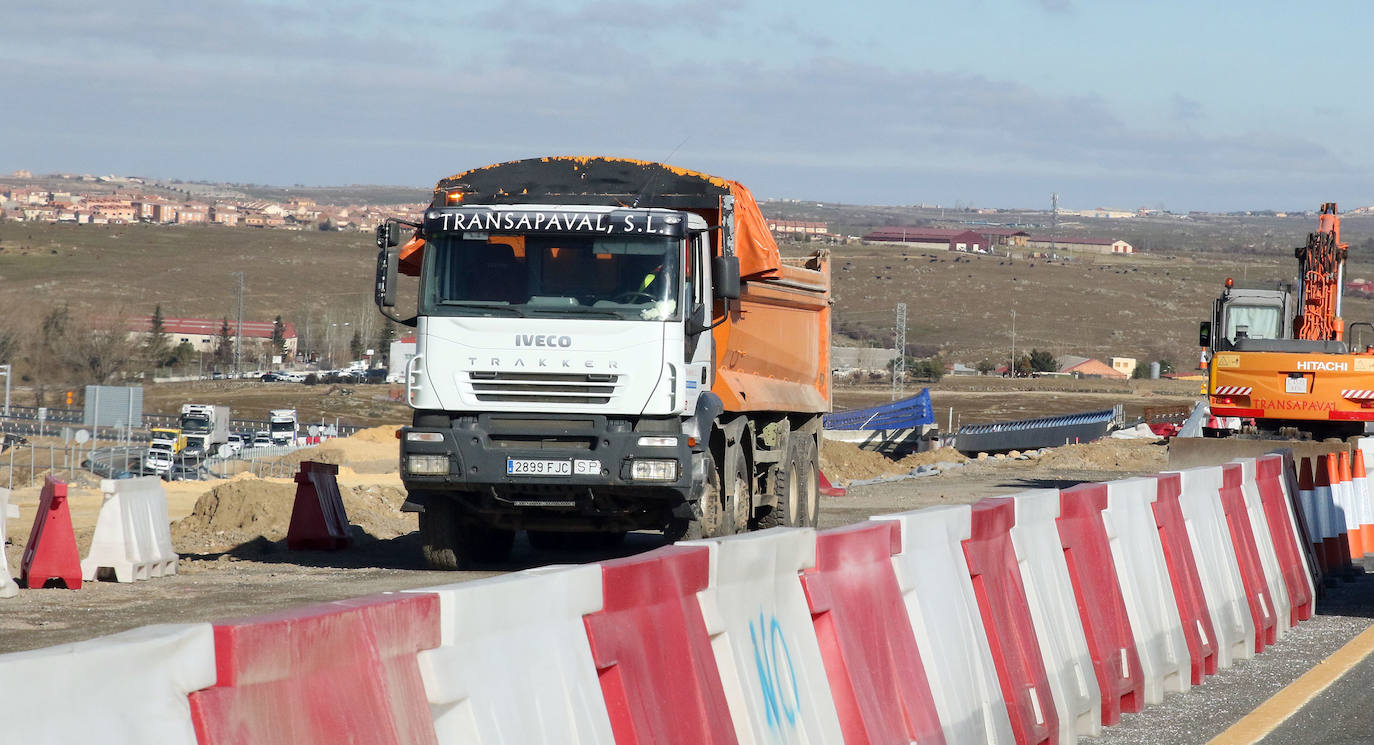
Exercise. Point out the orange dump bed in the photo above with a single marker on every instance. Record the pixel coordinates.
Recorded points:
(773, 354)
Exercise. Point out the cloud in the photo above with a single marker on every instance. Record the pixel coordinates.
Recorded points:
(296, 95)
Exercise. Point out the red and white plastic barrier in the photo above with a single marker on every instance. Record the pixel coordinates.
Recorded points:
(1146, 587)
(8, 587)
(125, 689)
(944, 616)
(328, 673)
(876, 676)
(133, 537)
(765, 645)
(514, 664)
(1210, 539)
(1054, 611)
(1025, 619)
(653, 653)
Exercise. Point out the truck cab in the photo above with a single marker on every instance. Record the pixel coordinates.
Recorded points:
(170, 438)
(583, 364)
(282, 426)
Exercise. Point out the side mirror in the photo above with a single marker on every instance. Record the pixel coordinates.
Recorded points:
(725, 277)
(1204, 335)
(385, 290)
(388, 234)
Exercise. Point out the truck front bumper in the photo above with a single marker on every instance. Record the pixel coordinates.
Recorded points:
(528, 466)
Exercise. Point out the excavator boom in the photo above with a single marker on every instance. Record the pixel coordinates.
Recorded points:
(1321, 265)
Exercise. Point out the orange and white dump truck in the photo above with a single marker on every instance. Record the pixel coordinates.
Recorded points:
(604, 345)
(1281, 359)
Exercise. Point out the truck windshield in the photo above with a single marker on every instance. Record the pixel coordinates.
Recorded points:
(1255, 321)
(191, 423)
(632, 278)
(282, 426)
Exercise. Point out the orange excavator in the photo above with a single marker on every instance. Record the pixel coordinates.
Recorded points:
(1281, 361)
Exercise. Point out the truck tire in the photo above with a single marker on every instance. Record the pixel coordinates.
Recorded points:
(451, 543)
(797, 485)
(712, 511)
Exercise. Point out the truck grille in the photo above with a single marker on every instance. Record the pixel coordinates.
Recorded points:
(554, 388)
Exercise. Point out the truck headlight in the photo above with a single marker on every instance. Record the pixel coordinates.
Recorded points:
(653, 469)
(658, 442)
(432, 465)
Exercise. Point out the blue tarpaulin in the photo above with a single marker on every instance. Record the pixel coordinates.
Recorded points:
(907, 413)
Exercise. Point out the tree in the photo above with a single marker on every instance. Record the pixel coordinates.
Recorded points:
(355, 345)
(224, 345)
(279, 337)
(1042, 361)
(386, 333)
(156, 345)
(182, 354)
(985, 367)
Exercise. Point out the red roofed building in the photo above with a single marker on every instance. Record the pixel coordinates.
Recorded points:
(203, 333)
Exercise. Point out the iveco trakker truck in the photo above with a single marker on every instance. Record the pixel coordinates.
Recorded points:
(604, 345)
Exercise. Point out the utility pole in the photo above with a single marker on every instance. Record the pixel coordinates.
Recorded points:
(899, 364)
(1013, 343)
(238, 333)
(1054, 221)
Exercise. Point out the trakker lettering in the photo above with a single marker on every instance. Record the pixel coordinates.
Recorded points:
(543, 362)
(1323, 366)
(528, 221)
(542, 340)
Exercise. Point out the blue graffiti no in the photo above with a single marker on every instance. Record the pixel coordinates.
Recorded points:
(770, 651)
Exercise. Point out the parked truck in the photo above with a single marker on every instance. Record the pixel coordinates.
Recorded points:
(206, 427)
(282, 426)
(604, 345)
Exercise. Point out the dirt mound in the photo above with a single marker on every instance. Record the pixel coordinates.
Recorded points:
(386, 435)
(1108, 455)
(930, 457)
(248, 508)
(843, 461)
(374, 450)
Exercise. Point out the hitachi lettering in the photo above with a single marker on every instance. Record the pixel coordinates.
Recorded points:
(1324, 366)
(542, 340)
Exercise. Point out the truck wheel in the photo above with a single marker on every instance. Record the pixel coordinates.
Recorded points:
(451, 543)
(808, 480)
(712, 511)
(797, 486)
(735, 505)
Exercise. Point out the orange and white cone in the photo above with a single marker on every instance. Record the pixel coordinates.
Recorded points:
(1326, 508)
(1307, 501)
(1360, 478)
(1354, 547)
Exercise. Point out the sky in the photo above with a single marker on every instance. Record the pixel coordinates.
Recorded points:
(990, 103)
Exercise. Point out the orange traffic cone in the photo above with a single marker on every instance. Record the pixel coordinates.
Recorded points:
(1354, 547)
(1307, 500)
(1328, 476)
(1366, 501)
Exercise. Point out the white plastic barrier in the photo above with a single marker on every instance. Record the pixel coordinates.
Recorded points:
(132, 532)
(1146, 587)
(1054, 610)
(1264, 542)
(764, 640)
(934, 578)
(8, 587)
(514, 664)
(125, 689)
(1215, 556)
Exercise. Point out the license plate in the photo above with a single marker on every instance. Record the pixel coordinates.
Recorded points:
(533, 467)
(1295, 385)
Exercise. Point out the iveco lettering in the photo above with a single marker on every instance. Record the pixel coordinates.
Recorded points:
(604, 345)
